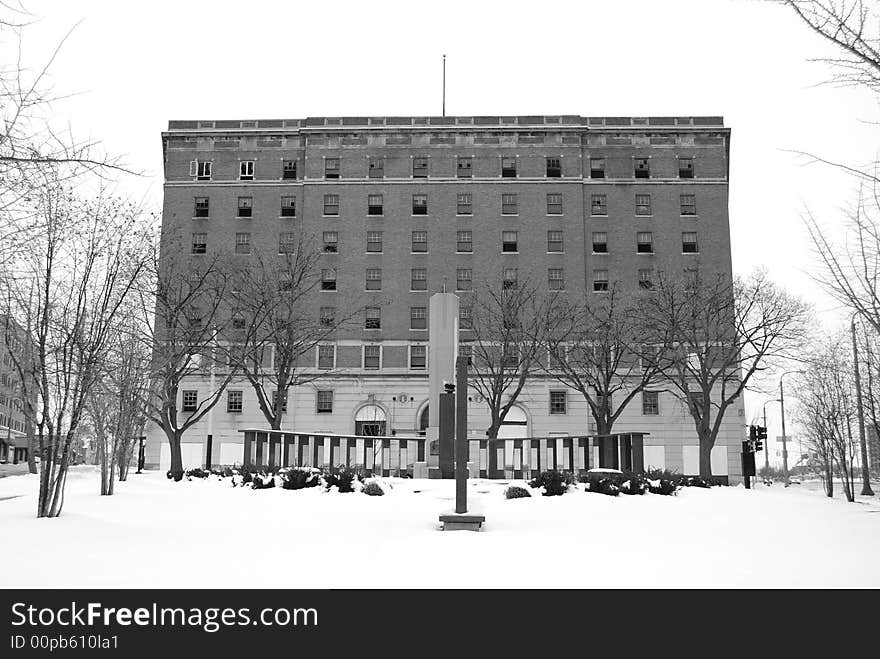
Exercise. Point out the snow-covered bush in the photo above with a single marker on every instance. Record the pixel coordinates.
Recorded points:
(602, 485)
(344, 479)
(297, 478)
(373, 489)
(516, 492)
(632, 483)
(263, 480)
(554, 482)
(196, 472)
(662, 486)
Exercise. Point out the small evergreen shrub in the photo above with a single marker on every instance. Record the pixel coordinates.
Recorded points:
(345, 479)
(297, 478)
(633, 483)
(196, 472)
(662, 486)
(373, 489)
(601, 485)
(555, 483)
(516, 492)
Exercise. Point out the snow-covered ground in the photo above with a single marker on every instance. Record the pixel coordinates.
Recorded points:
(154, 532)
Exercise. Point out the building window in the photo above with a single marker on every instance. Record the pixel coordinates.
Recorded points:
(288, 206)
(464, 167)
(464, 241)
(375, 205)
(190, 400)
(418, 318)
(597, 167)
(465, 318)
(288, 169)
(688, 204)
(201, 207)
(246, 170)
(554, 241)
(200, 169)
(463, 279)
(372, 357)
(328, 279)
(509, 355)
(419, 204)
(642, 168)
(554, 167)
(328, 316)
(600, 280)
(464, 205)
(644, 242)
(200, 243)
(418, 357)
(286, 242)
(326, 356)
(600, 242)
(509, 279)
(557, 402)
(376, 168)
(242, 243)
(331, 204)
(374, 279)
(467, 351)
(373, 318)
(508, 241)
(689, 242)
(374, 241)
(234, 401)
(324, 402)
(598, 204)
(420, 241)
(556, 279)
(331, 167)
(643, 204)
(245, 206)
(685, 167)
(651, 402)
(420, 167)
(646, 279)
(554, 204)
(418, 279)
(331, 242)
(508, 167)
(508, 204)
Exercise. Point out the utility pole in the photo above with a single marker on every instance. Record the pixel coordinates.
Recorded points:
(784, 450)
(866, 476)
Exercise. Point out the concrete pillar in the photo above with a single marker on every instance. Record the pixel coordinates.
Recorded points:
(442, 352)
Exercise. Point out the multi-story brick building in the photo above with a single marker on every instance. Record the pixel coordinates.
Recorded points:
(403, 207)
(14, 425)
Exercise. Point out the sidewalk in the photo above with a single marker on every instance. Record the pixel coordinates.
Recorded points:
(13, 470)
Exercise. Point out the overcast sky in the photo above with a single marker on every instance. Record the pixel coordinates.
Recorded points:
(135, 65)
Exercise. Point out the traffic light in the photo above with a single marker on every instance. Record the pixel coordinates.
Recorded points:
(759, 445)
(762, 432)
(753, 431)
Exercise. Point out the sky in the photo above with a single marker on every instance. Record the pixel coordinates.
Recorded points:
(132, 66)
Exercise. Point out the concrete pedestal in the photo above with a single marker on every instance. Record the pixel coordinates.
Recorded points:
(469, 521)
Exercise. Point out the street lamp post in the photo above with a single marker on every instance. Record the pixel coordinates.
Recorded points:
(767, 448)
(784, 438)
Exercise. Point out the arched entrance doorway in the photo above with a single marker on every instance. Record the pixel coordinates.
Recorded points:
(515, 424)
(423, 421)
(370, 421)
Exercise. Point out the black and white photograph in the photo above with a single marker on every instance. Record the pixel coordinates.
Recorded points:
(409, 298)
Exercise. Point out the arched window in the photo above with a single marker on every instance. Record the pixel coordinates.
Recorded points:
(370, 421)
(423, 419)
(515, 424)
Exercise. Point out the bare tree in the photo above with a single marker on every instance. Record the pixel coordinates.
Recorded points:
(506, 346)
(722, 333)
(182, 317)
(827, 410)
(596, 347)
(64, 290)
(276, 325)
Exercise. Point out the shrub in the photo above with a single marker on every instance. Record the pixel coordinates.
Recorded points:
(603, 486)
(263, 481)
(196, 472)
(343, 478)
(662, 486)
(633, 483)
(516, 492)
(297, 478)
(554, 482)
(373, 489)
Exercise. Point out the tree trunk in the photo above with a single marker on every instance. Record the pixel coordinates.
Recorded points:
(706, 444)
(829, 479)
(176, 470)
(32, 453)
(492, 450)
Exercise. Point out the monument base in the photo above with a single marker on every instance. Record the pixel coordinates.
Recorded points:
(469, 521)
